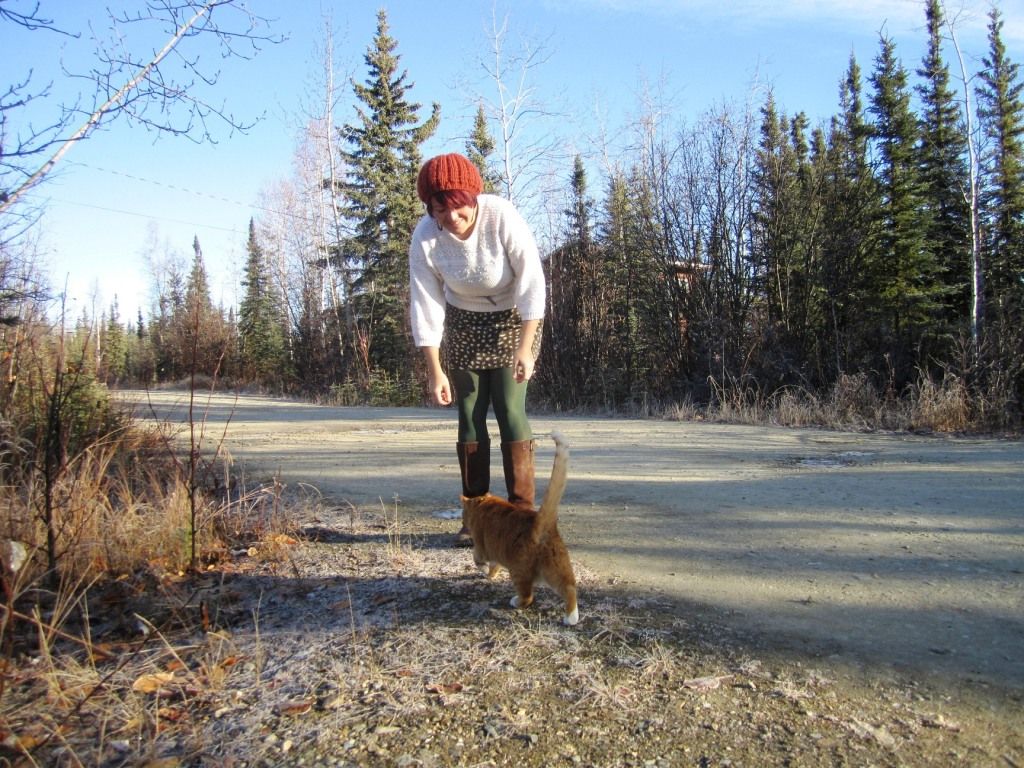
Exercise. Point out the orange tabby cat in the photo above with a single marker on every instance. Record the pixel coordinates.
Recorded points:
(524, 540)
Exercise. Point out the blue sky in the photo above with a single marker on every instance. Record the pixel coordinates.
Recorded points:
(122, 187)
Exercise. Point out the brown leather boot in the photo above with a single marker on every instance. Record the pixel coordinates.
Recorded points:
(475, 468)
(517, 459)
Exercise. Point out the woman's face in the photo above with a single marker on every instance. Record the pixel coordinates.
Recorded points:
(458, 221)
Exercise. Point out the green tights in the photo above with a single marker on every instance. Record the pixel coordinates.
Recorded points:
(476, 391)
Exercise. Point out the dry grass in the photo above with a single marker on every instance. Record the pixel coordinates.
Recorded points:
(853, 403)
(379, 645)
(373, 644)
(88, 640)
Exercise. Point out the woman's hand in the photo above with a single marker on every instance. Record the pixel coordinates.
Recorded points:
(441, 389)
(522, 362)
(522, 365)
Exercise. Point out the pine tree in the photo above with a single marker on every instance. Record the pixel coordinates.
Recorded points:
(908, 287)
(1001, 112)
(571, 271)
(647, 335)
(785, 223)
(1001, 116)
(847, 273)
(479, 149)
(260, 324)
(620, 272)
(384, 160)
(945, 175)
(775, 200)
(168, 364)
(115, 348)
(141, 362)
(198, 326)
(197, 289)
(660, 247)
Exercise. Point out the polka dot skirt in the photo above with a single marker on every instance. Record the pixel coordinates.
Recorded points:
(482, 340)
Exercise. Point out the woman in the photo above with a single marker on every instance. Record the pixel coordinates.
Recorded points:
(476, 283)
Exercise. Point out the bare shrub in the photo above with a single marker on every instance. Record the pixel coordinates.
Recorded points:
(738, 401)
(940, 407)
(686, 410)
(854, 403)
(126, 538)
(795, 407)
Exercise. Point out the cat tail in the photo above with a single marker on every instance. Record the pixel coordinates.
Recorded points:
(547, 516)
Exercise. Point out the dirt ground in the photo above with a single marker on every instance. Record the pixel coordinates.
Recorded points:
(876, 554)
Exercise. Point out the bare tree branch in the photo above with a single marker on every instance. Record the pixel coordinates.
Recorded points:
(30, 20)
(135, 86)
(516, 110)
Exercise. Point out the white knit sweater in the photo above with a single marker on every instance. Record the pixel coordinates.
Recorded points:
(498, 267)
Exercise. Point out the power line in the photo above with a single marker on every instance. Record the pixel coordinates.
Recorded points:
(146, 215)
(165, 185)
(185, 190)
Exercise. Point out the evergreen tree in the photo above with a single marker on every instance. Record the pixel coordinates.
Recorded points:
(197, 289)
(847, 273)
(384, 160)
(647, 332)
(571, 352)
(621, 274)
(168, 363)
(141, 360)
(1001, 112)
(1001, 115)
(260, 324)
(198, 326)
(479, 149)
(662, 250)
(908, 288)
(775, 212)
(114, 347)
(945, 175)
(784, 241)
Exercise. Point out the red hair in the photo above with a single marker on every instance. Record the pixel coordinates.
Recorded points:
(452, 198)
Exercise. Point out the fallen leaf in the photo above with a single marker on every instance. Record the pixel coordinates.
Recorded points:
(101, 652)
(294, 707)
(23, 742)
(152, 683)
(172, 714)
(445, 689)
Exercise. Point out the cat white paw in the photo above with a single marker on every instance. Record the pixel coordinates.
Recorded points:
(514, 602)
(571, 619)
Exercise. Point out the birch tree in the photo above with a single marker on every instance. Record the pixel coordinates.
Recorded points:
(164, 91)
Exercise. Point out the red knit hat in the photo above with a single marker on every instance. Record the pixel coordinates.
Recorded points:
(446, 173)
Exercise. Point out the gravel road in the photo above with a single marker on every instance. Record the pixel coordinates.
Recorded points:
(886, 552)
